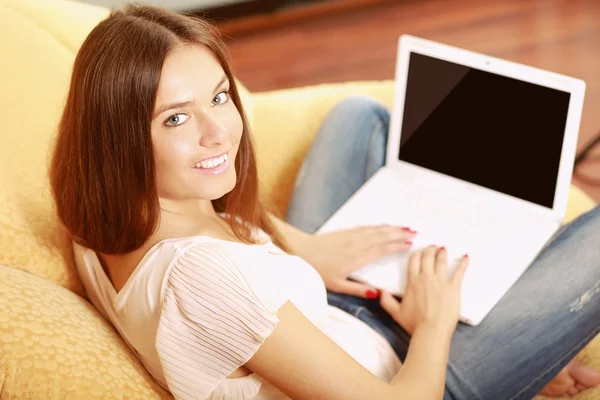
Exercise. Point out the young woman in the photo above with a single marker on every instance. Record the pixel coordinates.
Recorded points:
(154, 177)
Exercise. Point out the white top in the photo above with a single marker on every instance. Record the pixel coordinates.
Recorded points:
(197, 308)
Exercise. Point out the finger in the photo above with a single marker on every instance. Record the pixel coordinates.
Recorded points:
(383, 249)
(585, 375)
(428, 261)
(371, 239)
(382, 233)
(441, 263)
(387, 233)
(356, 289)
(414, 267)
(389, 303)
(581, 387)
(461, 269)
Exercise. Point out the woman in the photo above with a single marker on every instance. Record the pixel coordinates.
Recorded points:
(154, 176)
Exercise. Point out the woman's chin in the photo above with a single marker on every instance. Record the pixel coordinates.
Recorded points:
(218, 192)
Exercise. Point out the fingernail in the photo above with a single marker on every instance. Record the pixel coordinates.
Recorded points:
(442, 248)
(373, 294)
(406, 229)
(466, 256)
(408, 243)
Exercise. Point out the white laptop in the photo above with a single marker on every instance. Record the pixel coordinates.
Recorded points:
(479, 160)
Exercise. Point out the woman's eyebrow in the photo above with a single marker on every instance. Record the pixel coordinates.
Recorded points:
(223, 79)
(171, 106)
(180, 104)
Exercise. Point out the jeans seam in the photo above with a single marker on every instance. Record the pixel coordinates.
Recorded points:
(358, 310)
(376, 127)
(563, 230)
(566, 228)
(463, 382)
(570, 354)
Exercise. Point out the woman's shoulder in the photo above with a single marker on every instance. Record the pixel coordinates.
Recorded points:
(171, 250)
(211, 305)
(148, 263)
(205, 256)
(160, 255)
(227, 270)
(198, 254)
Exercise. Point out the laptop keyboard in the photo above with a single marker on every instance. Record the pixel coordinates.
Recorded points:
(447, 217)
(500, 240)
(453, 215)
(461, 225)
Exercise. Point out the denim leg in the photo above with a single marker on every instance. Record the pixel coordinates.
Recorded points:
(371, 312)
(348, 149)
(540, 324)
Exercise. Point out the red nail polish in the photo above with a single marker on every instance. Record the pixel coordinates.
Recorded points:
(406, 229)
(442, 248)
(373, 294)
(466, 256)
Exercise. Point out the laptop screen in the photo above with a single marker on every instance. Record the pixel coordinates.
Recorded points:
(497, 132)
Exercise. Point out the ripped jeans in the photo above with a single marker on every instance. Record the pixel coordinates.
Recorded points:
(541, 323)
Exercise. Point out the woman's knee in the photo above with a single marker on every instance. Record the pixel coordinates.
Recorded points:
(360, 107)
(586, 225)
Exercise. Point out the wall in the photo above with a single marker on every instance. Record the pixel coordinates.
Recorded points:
(179, 5)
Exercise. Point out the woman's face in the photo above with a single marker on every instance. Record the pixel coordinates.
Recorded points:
(196, 128)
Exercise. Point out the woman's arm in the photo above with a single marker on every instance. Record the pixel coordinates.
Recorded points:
(335, 255)
(295, 238)
(305, 364)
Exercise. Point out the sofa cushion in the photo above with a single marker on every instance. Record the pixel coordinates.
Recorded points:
(55, 345)
(34, 81)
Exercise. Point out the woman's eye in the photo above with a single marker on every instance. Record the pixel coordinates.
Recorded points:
(176, 119)
(221, 98)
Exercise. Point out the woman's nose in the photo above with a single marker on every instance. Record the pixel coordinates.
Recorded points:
(212, 133)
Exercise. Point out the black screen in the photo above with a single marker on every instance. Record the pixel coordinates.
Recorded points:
(497, 132)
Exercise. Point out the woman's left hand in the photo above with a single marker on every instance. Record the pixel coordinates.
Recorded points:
(336, 254)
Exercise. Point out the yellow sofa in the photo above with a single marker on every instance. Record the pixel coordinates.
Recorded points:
(53, 344)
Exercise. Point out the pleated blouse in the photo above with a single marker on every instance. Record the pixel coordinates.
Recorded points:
(197, 308)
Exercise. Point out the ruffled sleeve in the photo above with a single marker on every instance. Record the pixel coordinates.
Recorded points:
(213, 320)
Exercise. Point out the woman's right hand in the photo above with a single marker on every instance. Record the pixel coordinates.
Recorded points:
(431, 299)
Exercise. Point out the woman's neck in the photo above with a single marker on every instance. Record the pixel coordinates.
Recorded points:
(186, 210)
(177, 219)
(189, 218)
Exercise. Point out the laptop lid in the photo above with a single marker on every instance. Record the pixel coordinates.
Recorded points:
(488, 124)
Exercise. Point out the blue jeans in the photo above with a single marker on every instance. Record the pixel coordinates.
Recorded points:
(545, 319)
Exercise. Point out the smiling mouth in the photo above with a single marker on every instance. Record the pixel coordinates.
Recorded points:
(212, 163)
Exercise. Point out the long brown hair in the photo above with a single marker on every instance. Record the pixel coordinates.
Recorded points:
(102, 172)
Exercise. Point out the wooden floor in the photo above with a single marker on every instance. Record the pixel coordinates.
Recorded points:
(559, 35)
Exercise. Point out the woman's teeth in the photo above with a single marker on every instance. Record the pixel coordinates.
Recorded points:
(212, 163)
